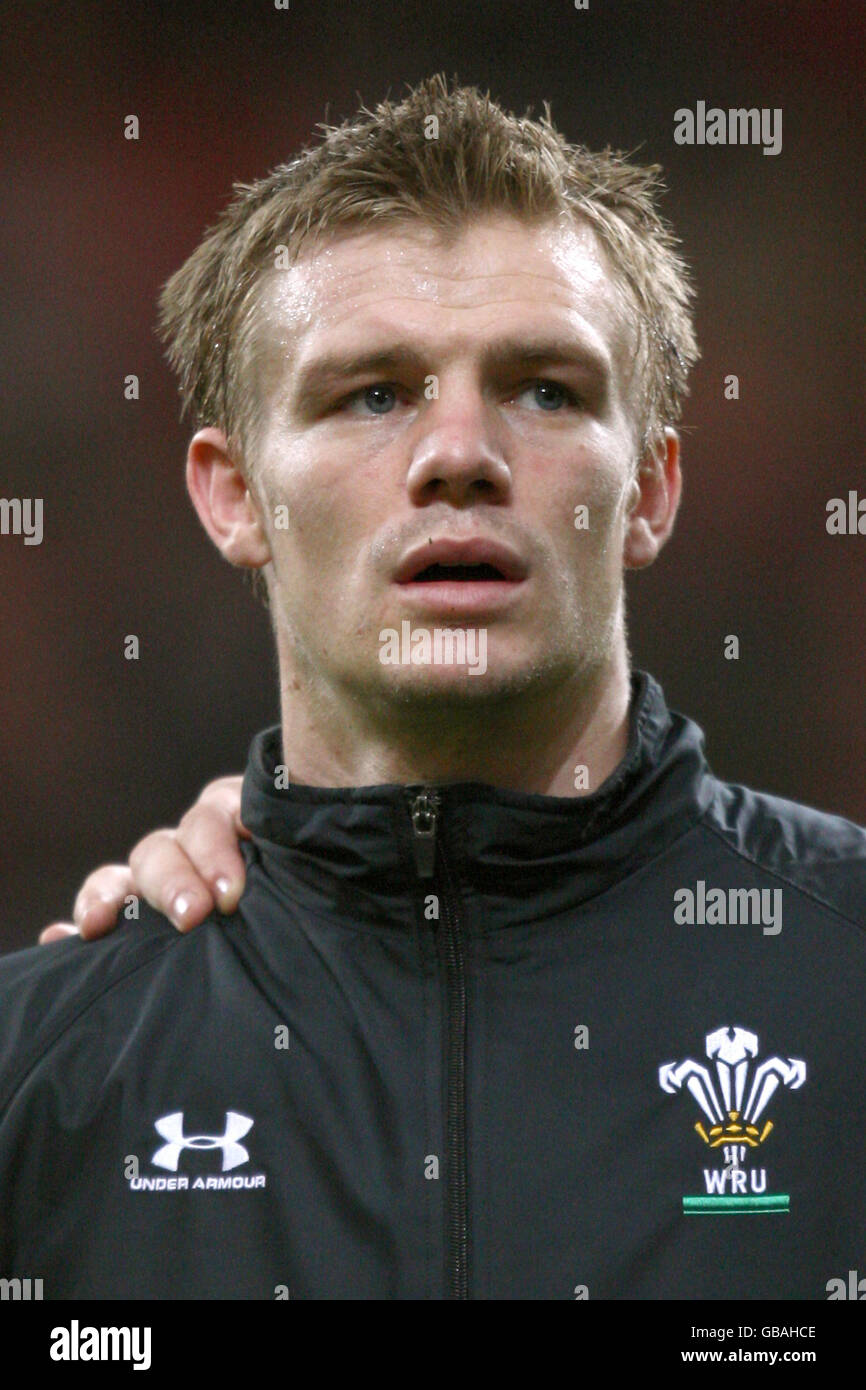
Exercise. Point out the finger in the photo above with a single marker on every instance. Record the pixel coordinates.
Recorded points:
(101, 898)
(208, 836)
(165, 876)
(58, 931)
(225, 795)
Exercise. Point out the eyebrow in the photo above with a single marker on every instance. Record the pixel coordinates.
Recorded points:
(318, 378)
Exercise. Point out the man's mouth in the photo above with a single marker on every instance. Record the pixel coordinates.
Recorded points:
(469, 579)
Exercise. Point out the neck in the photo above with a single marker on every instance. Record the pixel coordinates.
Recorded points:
(537, 741)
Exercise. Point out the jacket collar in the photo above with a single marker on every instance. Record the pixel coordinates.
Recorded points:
(350, 849)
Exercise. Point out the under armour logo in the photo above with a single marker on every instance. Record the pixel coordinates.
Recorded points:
(171, 1128)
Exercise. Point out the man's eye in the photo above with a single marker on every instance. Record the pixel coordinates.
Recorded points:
(378, 399)
(549, 395)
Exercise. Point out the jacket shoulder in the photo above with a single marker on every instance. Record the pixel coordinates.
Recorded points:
(822, 854)
(45, 990)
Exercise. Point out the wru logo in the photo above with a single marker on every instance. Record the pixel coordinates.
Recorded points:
(732, 1114)
(733, 1101)
(171, 1128)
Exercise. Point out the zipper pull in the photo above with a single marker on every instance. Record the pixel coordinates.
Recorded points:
(423, 811)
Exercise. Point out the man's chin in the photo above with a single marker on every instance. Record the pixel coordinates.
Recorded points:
(465, 686)
(435, 686)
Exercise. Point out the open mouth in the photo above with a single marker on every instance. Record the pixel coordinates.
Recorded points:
(468, 573)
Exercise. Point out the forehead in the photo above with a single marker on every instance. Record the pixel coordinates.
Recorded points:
(454, 293)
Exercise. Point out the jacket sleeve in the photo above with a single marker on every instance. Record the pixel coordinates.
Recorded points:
(47, 994)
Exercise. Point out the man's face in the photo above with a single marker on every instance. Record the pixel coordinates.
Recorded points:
(423, 393)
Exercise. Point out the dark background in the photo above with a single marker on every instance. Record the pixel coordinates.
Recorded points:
(95, 750)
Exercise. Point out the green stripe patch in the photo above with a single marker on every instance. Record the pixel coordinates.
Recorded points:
(697, 1206)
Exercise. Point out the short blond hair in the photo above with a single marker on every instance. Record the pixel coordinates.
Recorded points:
(440, 156)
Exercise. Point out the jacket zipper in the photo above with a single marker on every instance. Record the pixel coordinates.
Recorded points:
(424, 814)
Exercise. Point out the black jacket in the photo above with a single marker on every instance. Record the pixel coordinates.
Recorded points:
(461, 1042)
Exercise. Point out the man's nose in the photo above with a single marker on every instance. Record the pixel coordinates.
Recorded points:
(458, 453)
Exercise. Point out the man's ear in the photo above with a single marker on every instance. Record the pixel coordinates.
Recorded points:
(225, 507)
(656, 490)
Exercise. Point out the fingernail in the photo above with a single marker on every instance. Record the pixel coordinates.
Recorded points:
(228, 894)
(91, 904)
(180, 907)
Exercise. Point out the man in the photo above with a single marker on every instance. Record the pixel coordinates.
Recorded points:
(519, 1001)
